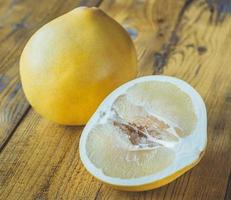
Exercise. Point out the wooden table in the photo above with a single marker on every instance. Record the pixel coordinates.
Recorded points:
(187, 39)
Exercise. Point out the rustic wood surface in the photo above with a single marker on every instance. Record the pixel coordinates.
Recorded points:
(183, 38)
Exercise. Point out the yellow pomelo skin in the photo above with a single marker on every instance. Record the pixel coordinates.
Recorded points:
(70, 64)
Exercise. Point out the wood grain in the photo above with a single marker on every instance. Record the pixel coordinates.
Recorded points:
(202, 58)
(151, 24)
(42, 162)
(187, 39)
(17, 24)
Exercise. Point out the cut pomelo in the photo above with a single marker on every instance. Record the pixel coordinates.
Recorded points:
(145, 134)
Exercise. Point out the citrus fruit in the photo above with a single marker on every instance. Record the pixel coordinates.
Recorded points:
(145, 134)
(70, 64)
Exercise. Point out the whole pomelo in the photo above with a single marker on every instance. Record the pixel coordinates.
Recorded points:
(70, 64)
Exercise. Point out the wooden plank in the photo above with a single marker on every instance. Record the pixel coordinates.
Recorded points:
(228, 189)
(151, 24)
(17, 24)
(201, 57)
(41, 160)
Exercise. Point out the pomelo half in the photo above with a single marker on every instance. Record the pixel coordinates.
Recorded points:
(145, 134)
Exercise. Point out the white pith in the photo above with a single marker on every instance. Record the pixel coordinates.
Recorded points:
(187, 151)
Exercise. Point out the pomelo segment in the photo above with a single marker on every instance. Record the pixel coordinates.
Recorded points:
(109, 149)
(145, 134)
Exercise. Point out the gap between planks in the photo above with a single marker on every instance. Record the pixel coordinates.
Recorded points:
(161, 58)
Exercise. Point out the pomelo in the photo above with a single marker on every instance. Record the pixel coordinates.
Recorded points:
(71, 63)
(145, 134)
